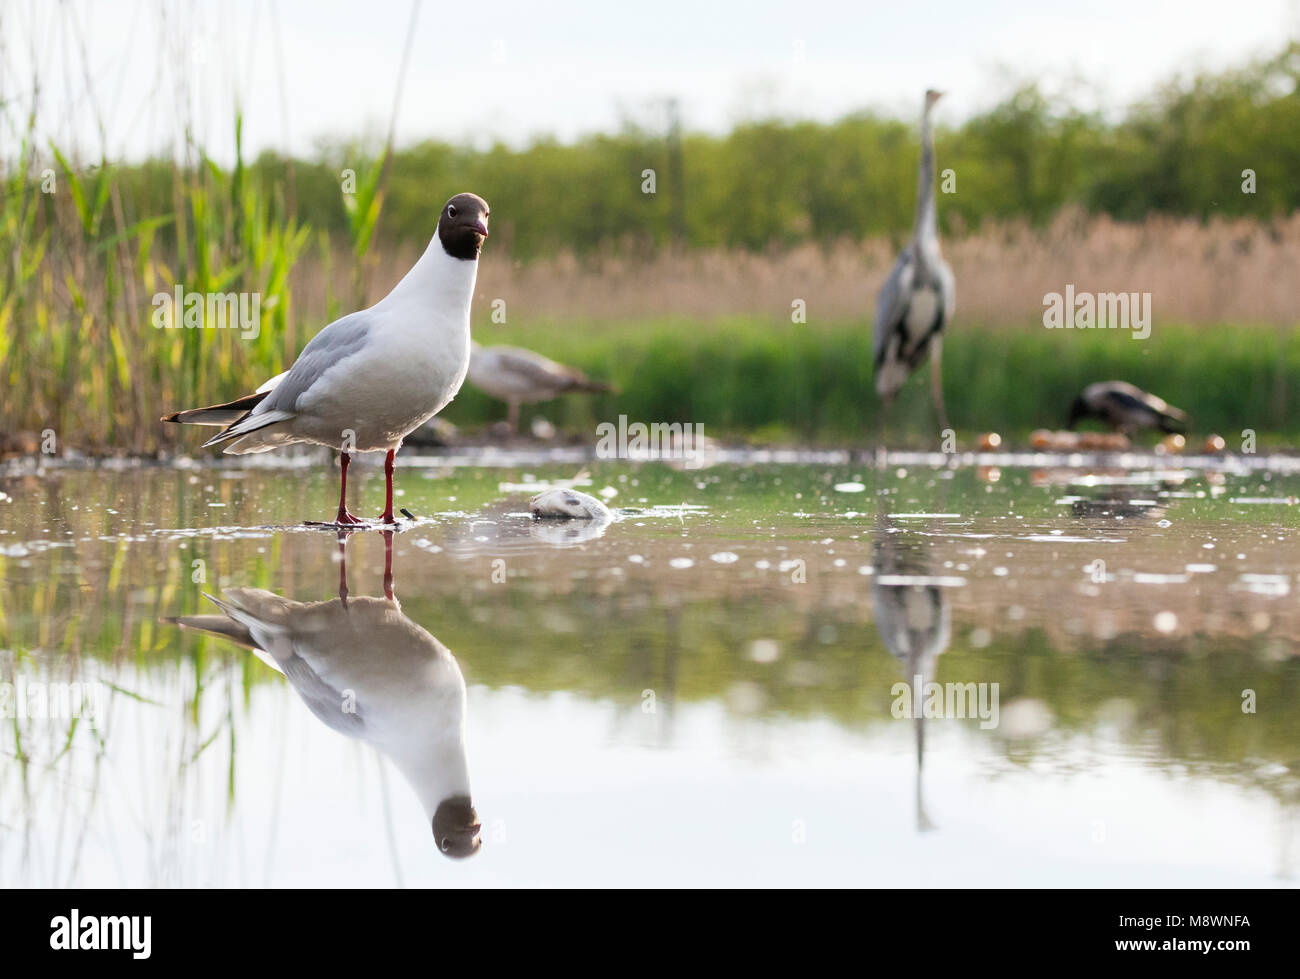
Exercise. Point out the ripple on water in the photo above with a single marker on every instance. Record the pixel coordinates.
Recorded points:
(1271, 585)
(922, 580)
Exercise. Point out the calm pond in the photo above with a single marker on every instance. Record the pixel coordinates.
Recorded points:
(701, 692)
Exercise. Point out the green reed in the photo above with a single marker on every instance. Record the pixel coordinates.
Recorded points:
(82, 352)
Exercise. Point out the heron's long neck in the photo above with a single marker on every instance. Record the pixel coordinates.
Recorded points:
(439, 282)
(927, 227)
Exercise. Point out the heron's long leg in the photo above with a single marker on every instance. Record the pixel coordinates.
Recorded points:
(882, 429)
(936, 381)
(512, 417)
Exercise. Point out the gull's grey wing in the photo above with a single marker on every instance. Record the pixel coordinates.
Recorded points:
(338, 341)
(321, 699)
(891, 304)
(536, 369)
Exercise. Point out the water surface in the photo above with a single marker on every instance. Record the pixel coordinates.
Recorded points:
(697, 693)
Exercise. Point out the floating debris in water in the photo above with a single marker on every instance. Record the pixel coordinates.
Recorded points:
(568, 504)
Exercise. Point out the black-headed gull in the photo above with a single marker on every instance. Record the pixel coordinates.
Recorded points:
(369, 379)
(518, 376)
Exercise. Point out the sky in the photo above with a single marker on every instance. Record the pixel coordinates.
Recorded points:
(512, 71)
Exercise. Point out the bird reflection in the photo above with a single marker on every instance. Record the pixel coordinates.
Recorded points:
(1111, 493)
(1117, 501)
(914, 619)
(368, 671)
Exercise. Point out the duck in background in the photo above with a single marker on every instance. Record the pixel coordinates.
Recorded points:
(1126, 408)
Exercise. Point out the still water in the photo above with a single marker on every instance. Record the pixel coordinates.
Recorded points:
(701, 692)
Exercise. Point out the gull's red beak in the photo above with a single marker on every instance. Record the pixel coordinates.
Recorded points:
(481, 227)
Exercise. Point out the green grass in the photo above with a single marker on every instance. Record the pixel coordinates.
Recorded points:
(813, 383)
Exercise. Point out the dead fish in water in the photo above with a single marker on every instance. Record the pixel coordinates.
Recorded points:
(568, 504)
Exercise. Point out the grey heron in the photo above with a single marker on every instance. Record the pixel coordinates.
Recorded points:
(916, 301)
(1125, 408)
(518, 376)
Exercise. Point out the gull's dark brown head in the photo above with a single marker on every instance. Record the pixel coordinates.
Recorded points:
(455, 825)
(463, 225)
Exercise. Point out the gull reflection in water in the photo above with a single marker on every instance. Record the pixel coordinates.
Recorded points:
(368, 671)
(914, 619)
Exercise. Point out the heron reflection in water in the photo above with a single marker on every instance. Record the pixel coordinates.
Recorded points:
(914, 619)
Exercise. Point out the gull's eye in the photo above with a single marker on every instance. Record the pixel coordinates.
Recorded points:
(451, 210)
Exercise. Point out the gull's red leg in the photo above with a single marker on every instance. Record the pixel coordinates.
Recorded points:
(343, 566)
(343, 516)
(388, 565)
(389, 462)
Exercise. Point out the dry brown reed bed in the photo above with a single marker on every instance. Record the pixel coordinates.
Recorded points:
(1239, 271)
